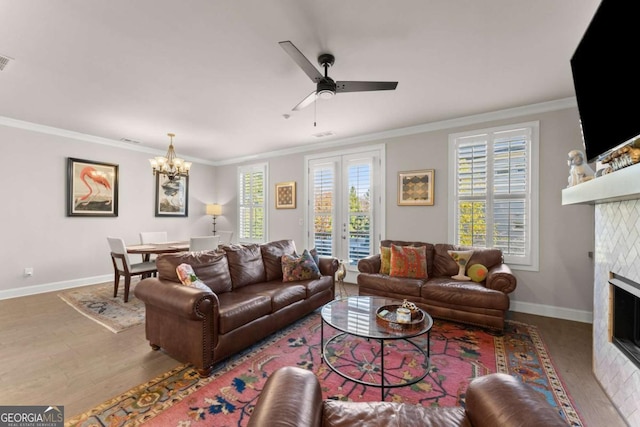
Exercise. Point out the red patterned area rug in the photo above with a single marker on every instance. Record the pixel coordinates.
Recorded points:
(459, 353)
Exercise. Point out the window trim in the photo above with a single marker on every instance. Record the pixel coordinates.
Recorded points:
(264, 167)
(533, 185)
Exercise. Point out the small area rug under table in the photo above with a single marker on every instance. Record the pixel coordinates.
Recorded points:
(459, 353)
(98, 304)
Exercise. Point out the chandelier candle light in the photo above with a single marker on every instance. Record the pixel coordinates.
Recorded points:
(214, 210)
(170, 165)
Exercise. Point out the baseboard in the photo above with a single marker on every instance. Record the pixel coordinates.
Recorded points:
(55, 286)
(552, 311)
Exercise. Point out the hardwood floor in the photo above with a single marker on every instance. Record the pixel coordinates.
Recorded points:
(52, 355)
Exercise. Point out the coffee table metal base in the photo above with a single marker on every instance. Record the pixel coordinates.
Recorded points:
(427, 365)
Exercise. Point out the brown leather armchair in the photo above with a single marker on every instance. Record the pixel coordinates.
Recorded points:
(292, 397)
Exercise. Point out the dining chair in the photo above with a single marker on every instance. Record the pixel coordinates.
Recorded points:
(204, 243)
(122, 266)
(225, 237)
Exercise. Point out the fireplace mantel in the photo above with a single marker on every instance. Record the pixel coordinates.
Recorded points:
(623, 184)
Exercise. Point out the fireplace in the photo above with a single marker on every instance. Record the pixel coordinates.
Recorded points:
(625, 316)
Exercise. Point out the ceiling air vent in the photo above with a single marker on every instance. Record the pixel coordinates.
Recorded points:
(129, 141)
(4, 60)
(324, 134)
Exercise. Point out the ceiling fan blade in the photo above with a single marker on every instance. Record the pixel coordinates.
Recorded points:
(364, 86)
(302, 61)
(305, 102)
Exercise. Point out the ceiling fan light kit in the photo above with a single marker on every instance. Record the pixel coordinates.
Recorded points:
(326, 87)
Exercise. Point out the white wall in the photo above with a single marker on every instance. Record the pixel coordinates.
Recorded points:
(71, 251)
(563, 285)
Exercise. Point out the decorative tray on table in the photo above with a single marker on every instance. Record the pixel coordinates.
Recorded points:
(387, 316)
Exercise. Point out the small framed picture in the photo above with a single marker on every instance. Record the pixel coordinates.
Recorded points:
(92, 188)
(172, 196)
(286, 195)
(415, 188)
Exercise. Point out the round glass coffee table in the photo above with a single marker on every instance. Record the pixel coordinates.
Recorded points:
(363, 342)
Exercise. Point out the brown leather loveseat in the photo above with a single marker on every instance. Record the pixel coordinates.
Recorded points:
(292, 397)
(247, 301)
(484, 304)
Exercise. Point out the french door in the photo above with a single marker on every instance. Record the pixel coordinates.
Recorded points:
(344, 203)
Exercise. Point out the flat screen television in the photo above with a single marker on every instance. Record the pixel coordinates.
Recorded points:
(607, 79)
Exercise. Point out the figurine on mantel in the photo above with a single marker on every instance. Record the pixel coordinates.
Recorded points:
(579, 170)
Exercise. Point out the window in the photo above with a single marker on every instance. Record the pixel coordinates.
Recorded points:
(495, 201)
(252, 199)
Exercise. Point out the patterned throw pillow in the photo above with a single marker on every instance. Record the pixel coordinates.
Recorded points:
(188, 277)
(315, 256)
(299, 268)
(409, 261)
(385, 260)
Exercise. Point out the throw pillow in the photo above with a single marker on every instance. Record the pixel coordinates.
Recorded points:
(408, 261)
(188, 277)
(461, 258)
(477, 272)
(315, 256)
(385, 260)
(299, 268)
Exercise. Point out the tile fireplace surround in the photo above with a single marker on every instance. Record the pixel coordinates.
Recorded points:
(617, 250)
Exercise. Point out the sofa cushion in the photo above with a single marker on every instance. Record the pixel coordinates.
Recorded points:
(408, 261)
(382, 284)
(210, 266)
(237, 309)
(281, 296)
(444, 265)
(299, 268)
(337, 413)
(272, 257)
(245, 265)
(317, 286)
(429, 247)
(385, 260)
(455, 293)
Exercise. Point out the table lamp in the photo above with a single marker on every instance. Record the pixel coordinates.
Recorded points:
(214, 210)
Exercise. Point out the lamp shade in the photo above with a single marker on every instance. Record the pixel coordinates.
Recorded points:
(214, 209)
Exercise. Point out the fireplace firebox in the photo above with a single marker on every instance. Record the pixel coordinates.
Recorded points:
(626, 316)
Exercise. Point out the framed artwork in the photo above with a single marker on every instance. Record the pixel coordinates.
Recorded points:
(172, 196)
(286, 195)
(92, 188)
(415, 188)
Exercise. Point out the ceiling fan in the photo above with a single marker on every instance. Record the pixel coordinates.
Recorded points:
(326, 87)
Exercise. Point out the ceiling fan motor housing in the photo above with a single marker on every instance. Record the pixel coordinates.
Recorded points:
(326, 88)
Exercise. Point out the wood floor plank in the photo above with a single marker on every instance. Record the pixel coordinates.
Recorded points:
(51, 354)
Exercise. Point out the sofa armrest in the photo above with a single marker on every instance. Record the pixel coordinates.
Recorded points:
(328, 266)
(290, 397)
(184, 301)
(502, 400)
(500, 278)
(370, 264)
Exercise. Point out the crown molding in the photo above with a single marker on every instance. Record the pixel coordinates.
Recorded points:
(50, 130)
(542, 107)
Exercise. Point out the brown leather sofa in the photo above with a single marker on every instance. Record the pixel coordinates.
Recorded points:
(292, 397)
(247, 301)
(484, 304)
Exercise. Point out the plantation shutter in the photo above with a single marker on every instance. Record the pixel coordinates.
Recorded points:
(323, 190)
(359, 176)
(251, 210)
(493, 192)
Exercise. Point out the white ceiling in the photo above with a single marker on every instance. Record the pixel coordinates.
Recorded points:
(213, 73)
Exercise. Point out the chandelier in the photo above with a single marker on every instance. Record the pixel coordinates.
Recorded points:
(170, 165)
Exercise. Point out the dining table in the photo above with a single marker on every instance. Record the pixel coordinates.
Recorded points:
(147, 249)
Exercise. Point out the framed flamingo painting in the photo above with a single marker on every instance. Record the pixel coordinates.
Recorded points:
(92, 188)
